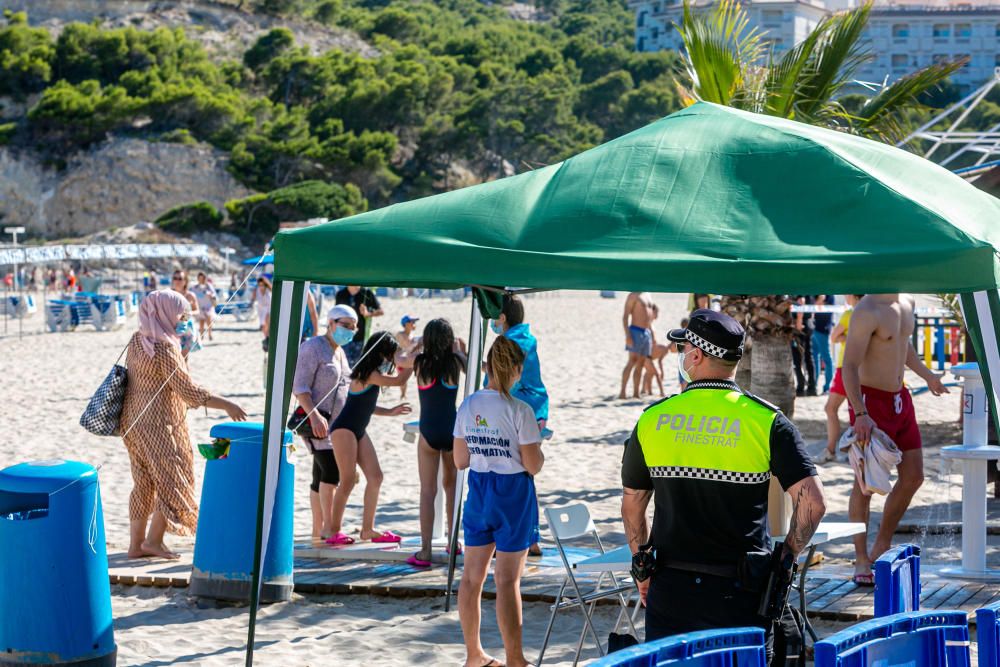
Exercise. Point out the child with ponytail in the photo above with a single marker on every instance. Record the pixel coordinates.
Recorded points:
(497, 438)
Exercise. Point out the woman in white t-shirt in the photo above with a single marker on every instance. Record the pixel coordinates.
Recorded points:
(497, 437)
(207, 298)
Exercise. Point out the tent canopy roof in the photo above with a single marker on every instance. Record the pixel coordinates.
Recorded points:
(707, 199)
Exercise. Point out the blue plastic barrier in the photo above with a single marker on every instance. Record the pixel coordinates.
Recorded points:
(988, 635)
(227, 521)
(897, 580)
(731, 647)
(915, 639)
(55, 600)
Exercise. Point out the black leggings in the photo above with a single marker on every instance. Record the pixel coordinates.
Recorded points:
(324, 469)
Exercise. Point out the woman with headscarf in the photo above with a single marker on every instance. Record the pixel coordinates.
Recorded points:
(154, 426)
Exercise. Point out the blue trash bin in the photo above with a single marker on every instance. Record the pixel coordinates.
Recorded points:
(227, 518)
(55, 599)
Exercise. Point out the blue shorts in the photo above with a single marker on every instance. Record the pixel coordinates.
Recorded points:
(501, 509)
(642, 341)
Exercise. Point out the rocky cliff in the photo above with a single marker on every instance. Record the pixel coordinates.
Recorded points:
(117, 184)
(224, 30)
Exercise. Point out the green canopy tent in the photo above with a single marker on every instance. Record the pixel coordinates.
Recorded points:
(709, 199)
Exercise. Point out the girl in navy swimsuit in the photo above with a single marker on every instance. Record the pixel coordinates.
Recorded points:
(438, 367)
(351, 444)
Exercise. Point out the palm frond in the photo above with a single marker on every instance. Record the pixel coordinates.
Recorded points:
(783, 83)
(718, 46)
(838, 54)
(881, 117)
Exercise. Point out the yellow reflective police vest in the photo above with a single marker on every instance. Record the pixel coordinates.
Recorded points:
(719, 434)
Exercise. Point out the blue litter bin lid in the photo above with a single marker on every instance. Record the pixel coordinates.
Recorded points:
(43, 476)
(243, 431)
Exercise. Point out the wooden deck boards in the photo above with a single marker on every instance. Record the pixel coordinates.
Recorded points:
(829, 597)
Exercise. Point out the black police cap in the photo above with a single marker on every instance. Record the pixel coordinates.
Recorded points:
(716, 334)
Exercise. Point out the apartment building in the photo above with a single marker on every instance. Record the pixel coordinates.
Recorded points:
(907, 36)
(902, 35)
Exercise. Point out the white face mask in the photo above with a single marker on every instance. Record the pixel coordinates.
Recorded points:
(680, 366)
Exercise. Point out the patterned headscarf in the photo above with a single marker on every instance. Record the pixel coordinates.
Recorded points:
(158, 317)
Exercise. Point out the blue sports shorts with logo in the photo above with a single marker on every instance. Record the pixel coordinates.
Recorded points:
(501, 509)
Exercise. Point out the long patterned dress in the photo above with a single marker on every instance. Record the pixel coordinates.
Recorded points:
(156, 436)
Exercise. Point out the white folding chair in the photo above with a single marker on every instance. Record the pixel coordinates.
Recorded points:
(573, 523)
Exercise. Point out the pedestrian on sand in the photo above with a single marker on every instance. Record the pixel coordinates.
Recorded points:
(154, 428)
(352, 445)
(879, 350)
(497, 439)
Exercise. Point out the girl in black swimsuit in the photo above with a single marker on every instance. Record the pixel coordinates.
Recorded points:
(438, 367)
(351, 444)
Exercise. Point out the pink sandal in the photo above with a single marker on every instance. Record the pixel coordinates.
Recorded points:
(387, 537)
(340, 539)
(417, 562)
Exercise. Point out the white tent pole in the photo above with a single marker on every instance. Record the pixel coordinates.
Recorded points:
(472, 366)
(989, 334)
(284, 319)
(276, 432)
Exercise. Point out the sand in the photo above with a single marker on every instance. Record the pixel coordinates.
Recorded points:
(50, 377)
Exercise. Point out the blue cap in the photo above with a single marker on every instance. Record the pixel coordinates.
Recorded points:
(407, 319)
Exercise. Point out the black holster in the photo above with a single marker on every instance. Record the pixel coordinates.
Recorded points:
(753, 570)
(774, 595)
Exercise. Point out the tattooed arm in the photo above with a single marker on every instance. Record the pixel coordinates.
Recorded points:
(808, 507)
(634, 504)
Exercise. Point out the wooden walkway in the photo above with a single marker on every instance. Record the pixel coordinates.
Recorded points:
(830, 593)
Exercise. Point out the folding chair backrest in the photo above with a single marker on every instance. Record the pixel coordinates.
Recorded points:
(920, 639)
(570, 522)
(730, 647)
(988, 635)
(897, 580)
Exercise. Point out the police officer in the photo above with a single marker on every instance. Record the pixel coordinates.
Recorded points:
(707, 456)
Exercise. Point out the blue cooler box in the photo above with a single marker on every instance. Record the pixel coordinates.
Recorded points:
(55, 599)
(227, 521)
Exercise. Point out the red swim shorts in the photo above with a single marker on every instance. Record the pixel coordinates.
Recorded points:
(892, 412)
(838, 384)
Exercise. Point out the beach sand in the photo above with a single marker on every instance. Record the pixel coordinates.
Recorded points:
(50, 377)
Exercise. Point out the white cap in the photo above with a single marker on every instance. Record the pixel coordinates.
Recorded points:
(341, 311)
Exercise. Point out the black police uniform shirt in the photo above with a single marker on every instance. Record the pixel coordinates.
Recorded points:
(713, 521)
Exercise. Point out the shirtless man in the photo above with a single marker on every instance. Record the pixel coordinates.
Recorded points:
(878, 350)
(636, 320)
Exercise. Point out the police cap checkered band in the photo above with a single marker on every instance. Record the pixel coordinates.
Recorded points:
(709, 348)
(716, 334)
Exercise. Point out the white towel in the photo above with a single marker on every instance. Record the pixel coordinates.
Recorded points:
(872, 464)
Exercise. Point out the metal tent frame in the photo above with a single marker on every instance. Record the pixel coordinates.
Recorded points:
(986, 143)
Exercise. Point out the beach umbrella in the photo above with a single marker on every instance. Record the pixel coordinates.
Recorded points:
(259, 259)
(709, 199)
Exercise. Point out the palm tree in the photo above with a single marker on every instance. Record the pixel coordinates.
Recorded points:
(727, 62)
